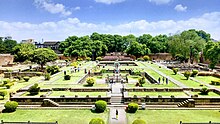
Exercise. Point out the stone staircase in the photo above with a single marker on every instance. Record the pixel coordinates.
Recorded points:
(116, 99)
(49, 103)
(187, 103)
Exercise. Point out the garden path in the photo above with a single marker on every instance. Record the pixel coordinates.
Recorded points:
(121, 116)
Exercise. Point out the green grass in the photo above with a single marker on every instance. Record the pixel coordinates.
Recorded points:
(69, 116)
(207, 79)
(156, 93)
(210, 94)
(175, 116)
(70, 85)
(178, 77)
(68, 93)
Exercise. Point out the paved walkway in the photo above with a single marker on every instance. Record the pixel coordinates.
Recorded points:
(169, 78)
(121, 115)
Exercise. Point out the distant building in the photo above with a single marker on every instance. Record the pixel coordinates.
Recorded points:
(6, 38)
(28, 41)
(54, 45)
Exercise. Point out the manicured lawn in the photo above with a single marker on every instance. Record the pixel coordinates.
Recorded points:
(156, 93)
(175, 116)
(211, 94)
(207, 79)
(69, 116)
(178, 77)
(68, 93)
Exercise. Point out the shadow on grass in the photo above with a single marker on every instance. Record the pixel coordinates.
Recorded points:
(86, 85)
(184, 79)
(6, 111)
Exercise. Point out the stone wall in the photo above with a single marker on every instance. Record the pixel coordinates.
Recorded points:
(6, 59)
(160, 56)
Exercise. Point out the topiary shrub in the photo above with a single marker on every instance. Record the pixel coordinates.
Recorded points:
(103, 71)
(194, 73)
(26, 78)
(140, 59)
(10, 106)
(88, 59)
(8, 86)
(34, 90)
(204, 91)
(47, 76)
(52, 69)
(90, 81)
(142, 81)
(146, 58)
(175, 70)
(132, 107)
(187, 74)
(139, 121)
(215, 82)
(99, 58)
(67, 77)
(96, 121)
(100, 106)
(3, 93)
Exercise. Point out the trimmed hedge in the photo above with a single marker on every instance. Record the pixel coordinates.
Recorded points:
(194, 73)
(100, 106)
(11, 106)
(3, 93)
(175, 70)
(47, 76)
(139, 121)
(187, 74)
(34, 90)
(26, 78)
(132, 107)
(146, 58)
(204, 91)
(96, 121)
(67, 77)
(216, 82)
(90, 81)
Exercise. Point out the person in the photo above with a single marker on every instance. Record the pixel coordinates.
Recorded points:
(166, 80)
(163, 80)
(159, 80)
(116, 113)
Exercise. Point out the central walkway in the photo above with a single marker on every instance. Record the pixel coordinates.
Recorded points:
(116, 99)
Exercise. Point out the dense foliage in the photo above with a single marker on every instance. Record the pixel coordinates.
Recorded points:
(3, 93)
(132, 107)
(34, 90)
(100, 106)
(52, 69)
(90, 81)
(139, 121)
(11, 106)
(96, 121)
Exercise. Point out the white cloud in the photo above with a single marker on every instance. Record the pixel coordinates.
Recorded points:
(180, 8)
(54, 8)
(77, 8)
(109, 1)
(60, 30)
(159, 2)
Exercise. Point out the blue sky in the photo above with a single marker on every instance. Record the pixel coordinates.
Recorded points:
(58, 19)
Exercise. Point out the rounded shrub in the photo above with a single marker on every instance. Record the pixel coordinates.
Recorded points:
(132, 107)
(67, 77)
(204, 91)
(140, 59)
(26, 78)
(8, 86)
(3, 93)
(142, 81)
(175, 70)
(90, 81)
(99, 58)
(194, 73)
(146, 58)
(187, 74)
(100, 106)
(11, 106)
(96, 121)
(34, 90)
(88, 59)
(47, 76)
(139, 121)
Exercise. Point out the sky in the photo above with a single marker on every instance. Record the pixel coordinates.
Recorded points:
(57, 19)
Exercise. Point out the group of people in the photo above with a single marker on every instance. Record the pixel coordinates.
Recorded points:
(163, 79)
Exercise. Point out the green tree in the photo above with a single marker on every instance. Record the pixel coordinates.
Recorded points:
(23, 51)
(43, 55)
(213, 54)
(137, 49)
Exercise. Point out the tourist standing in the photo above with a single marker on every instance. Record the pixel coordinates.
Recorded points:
(116, 113)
